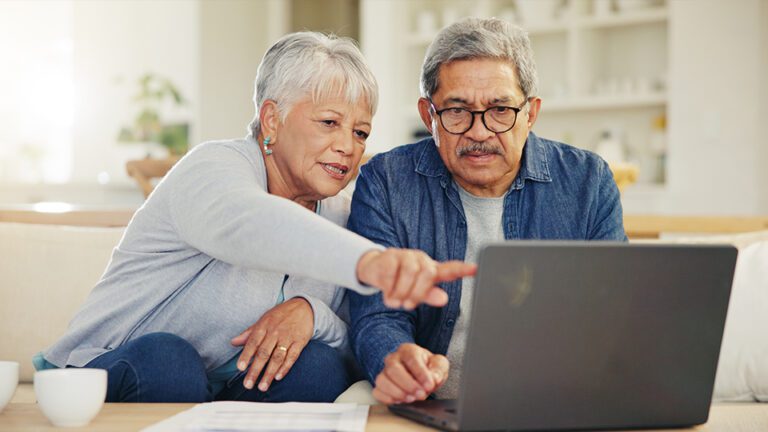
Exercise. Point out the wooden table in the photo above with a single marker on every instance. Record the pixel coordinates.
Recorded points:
(23, 417)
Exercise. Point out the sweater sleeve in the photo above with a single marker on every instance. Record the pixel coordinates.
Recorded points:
(219, 205)
(329, 328)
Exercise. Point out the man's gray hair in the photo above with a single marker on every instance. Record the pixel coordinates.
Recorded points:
(311, 64)
(473, 38)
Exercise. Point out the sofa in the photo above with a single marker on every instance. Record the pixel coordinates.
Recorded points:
(46, 271)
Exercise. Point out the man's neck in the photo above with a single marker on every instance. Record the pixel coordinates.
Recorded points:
(494, 190)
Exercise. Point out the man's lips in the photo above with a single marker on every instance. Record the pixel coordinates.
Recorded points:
(479, 156)
(335, 170)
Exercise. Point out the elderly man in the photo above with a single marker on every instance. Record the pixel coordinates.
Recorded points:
(482, 177)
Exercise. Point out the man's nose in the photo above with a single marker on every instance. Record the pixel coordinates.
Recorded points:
(478, 131)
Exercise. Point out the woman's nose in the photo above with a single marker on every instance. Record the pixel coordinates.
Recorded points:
(344, 144)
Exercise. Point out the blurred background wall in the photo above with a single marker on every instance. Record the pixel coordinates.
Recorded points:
(676, 88)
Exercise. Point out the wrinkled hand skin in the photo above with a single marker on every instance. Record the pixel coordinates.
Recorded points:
(289, 325)
(410, 374)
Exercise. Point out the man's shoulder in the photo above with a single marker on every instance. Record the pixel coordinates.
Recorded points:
(567, 156)
(399, 161)
(400, 153)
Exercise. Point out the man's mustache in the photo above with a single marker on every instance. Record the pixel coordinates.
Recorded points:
(479, 147)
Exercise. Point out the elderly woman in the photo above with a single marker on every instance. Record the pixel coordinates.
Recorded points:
(250, 231)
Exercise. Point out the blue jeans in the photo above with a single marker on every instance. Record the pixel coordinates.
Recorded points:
(162, 367)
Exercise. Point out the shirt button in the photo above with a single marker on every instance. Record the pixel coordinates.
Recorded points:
(450, 323)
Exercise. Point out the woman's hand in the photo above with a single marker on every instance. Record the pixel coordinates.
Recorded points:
(407, 277)
(278, 338)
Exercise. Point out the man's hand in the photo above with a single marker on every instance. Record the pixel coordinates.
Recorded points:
(407, 277)
(278, 338)
(411, 373)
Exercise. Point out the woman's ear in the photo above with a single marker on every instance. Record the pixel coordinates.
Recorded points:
(269, 119)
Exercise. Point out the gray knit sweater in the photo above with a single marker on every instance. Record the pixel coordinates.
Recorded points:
(206, 255)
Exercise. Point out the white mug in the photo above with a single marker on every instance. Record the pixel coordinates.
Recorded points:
(9, 379)
(71, 397)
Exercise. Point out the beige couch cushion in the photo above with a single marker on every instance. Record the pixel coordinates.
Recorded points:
(742, 370)
(46, 272)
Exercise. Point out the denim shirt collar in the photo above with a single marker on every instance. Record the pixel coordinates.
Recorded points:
(533, 166)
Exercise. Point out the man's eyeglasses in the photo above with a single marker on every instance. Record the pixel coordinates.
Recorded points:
(498, 119)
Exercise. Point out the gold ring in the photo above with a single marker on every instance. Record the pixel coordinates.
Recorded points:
(282, 348)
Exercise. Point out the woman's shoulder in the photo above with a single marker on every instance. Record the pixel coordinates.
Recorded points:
(231, 148)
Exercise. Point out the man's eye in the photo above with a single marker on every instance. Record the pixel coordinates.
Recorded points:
(456, 110)
(500, 109)
(329, 123)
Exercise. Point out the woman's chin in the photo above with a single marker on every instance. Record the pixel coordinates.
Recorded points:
(328, 190)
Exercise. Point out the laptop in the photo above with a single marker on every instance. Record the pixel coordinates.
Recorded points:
(577, 335)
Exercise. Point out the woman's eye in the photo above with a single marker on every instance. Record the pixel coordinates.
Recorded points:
(362, 134)
(329, 123)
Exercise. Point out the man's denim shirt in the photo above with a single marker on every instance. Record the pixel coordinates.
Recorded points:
(406, 198)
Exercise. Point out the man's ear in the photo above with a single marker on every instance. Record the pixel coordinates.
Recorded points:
(269, 118)
(533, 111)
(425, 110)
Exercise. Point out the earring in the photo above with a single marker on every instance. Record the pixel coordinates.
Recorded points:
(267, 150)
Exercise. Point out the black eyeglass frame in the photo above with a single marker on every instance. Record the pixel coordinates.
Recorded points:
(482, 116)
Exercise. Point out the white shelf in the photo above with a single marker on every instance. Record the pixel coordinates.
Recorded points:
(546, 28)
(603, 102)
(646, 16)
(419, 39)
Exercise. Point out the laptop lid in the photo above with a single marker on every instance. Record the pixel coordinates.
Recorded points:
(569, 335)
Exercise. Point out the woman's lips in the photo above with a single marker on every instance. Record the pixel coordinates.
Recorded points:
(337, 171)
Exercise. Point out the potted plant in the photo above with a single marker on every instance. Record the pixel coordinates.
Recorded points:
(148, 125)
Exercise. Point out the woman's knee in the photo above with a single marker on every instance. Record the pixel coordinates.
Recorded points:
(321, 373)
(168, 369)
(165, 348)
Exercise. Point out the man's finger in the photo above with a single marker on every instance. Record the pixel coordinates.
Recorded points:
(389, 388)
(382, 397)
(401, 377)
(417, 367)
(439, 366)
(451, 270)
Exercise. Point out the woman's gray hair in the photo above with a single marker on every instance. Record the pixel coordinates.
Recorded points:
(473, 38)
(312, 64)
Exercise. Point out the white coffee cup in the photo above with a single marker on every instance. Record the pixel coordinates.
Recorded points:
(71, 397)
(9, 379)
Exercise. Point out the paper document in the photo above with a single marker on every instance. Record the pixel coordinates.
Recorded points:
(254, 416)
